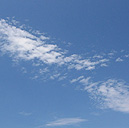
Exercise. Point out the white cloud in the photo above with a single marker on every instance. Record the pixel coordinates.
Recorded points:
(119, 59)
(112, 53)
(22, 45)
(104, 65)
(66, 121)
(78, 63)
(112, 94)
(77, 79)
(127, 55)
(85, 80)
(55, 76)
(97, 56)
(23, 69)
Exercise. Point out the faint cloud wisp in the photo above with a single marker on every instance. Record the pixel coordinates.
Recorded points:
(66, 121)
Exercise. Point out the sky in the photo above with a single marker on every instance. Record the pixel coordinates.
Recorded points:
(64, 64)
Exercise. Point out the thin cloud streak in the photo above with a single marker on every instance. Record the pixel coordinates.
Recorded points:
(25, 113)
(66, 121)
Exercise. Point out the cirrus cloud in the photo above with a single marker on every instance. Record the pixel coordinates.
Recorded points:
(66, 121)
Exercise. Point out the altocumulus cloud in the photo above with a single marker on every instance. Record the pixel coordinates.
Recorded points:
(111, 94)
(22, 45)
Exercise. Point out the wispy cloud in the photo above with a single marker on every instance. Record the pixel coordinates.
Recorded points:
(111, 94)
(77, 79)
(66, 121)
(119, 60)
(25, 113)
(20, 44)
(23, 45)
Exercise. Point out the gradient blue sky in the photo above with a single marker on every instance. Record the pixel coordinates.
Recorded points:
(64, 63)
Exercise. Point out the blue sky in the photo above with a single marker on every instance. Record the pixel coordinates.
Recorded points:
(64, 63)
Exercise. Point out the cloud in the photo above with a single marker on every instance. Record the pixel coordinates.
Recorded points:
(77, 79)
(23, 45)
(127, 55)
(110, 94)
(66, 121)
(25, 113)
(78, 63)
(119, 60)
(20, 44)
